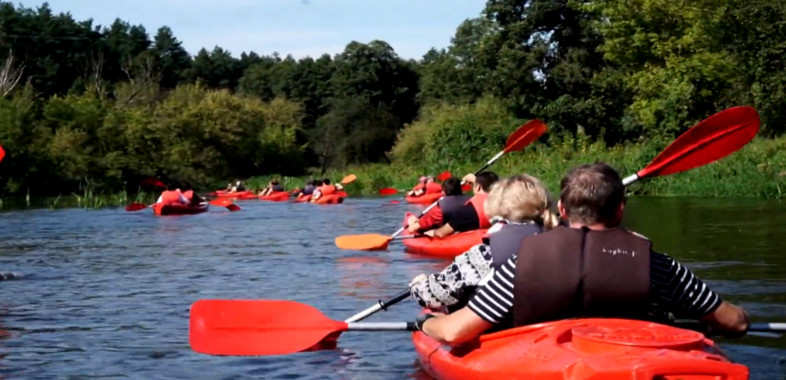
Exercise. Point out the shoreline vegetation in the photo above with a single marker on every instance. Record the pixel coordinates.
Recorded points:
(758, 170)
(88, 113)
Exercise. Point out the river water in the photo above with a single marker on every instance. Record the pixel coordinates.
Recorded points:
(106, 294)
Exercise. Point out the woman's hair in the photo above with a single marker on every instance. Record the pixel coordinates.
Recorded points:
(521, 198)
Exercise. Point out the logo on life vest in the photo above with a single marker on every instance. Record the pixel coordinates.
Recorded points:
(618, 251)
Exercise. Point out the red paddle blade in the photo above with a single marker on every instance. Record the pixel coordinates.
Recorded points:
(2, 153)
(387, 191)
(221, 202)
(466, 187)
(233, 207)
(444, 175)
(364, 242)
(136, 207)
(713, 138)
(349, 179)
(525, 135)
(257, 327)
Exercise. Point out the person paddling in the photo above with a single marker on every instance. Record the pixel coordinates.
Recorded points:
(190, 195)
(272, 187)
(309, 188)
(521, 206)
(452, 200)
(172, 195)
(325, 189)
(591, 268)
(420, 188)
(469, 216)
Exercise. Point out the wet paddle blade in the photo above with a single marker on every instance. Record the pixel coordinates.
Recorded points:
(221, 202)
(2, 153)
(136, 207)
(444, 175)
(257, 327)
(349, 179)
(364, 242)
(713, 138)
(232, 207)
(525, 135)
(388, 191)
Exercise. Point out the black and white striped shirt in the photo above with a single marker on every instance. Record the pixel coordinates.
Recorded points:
(673, 289)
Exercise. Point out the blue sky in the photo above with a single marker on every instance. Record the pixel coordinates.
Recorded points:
(298, 27)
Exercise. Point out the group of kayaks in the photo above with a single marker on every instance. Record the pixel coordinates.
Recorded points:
(278, 196)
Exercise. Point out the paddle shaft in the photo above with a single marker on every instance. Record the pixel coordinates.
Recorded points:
(382, 326)
(380, 305)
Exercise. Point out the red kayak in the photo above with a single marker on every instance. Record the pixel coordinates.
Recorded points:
(245, 194)
(179, 209)
(303, 198)
(425, 199)
(448, 246)
(335, 198)
(582, 349)
(276, 196)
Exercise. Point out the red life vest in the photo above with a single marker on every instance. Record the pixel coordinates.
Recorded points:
(169, 197)
(477, 202)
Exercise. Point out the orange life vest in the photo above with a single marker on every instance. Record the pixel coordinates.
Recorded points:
(477, 202)
(169, 197)
(327, 189)
(433, 187)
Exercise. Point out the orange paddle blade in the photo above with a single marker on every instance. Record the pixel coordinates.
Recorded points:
(364, 242)
(525, 135)
(713, 138)
(221, 202)
(136, 207)
(388, 191)
(349, 179)
(257, 327)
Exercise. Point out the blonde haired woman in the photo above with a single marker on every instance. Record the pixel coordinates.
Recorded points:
(518, 206)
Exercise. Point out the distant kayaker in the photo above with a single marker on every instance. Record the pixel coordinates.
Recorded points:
(272, 187)
(591, 268)
(325, 189)
(309, 188)
(190, 195)
(521, 206)
(470, 216)
(238, 186)
(420, 188)
(172, 195)
(447, 208)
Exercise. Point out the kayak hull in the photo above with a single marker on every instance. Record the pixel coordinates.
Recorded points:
(245, 194)
(177, 209)
(303, 198)
(581, 349)
(335, 198)
(424, 199)
(276, 196)
(449, 246)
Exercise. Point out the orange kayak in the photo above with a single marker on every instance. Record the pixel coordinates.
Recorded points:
(337, 197)
(276, 196)
(245, 194)
(424, 199)
(177, 209)
(303, 198)
(449, 246)
(582, 349)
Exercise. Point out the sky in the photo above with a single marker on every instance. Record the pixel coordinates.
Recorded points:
(297, 27)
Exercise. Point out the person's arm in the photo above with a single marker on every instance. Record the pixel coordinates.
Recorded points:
(455, 282)
(687, 296)
(442, 231)
(458, 327)
(432, 218)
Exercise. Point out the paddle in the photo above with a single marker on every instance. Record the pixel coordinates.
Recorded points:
(380, 305)
(221, 202)
(277, 327)
(266, 327)
(349, 179)
(521, 137)
(2, 153)
(713, 138)
(388, 191)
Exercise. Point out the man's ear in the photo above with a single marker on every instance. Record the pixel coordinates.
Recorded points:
(562, 213)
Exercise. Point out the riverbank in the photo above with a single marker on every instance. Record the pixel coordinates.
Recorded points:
(756, 170)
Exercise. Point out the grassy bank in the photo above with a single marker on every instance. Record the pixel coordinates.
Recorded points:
(757, 170)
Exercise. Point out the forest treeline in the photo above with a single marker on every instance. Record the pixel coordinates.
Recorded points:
(112, 105)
